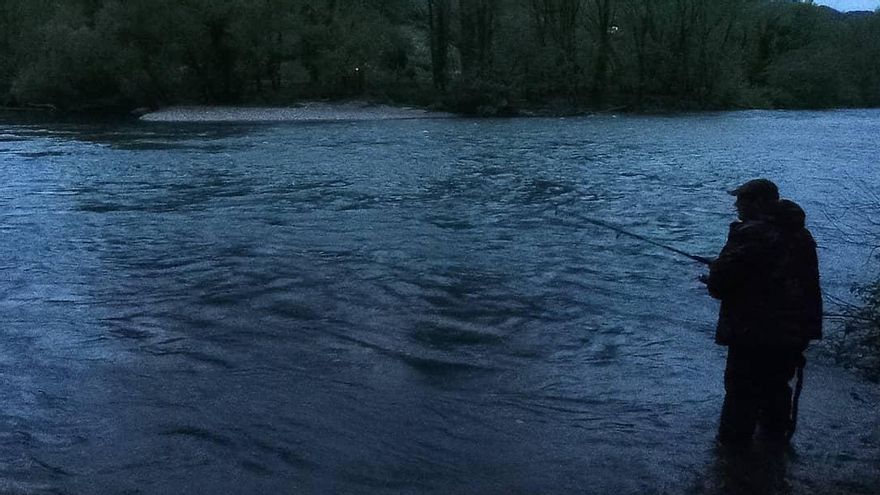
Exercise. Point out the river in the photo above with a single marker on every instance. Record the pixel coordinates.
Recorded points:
(405, 306)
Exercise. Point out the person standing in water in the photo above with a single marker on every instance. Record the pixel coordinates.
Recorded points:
(767, 278)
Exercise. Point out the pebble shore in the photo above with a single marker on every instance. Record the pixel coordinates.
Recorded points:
(306, 112)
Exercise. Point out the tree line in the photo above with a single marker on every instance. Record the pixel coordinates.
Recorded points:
(476, 56)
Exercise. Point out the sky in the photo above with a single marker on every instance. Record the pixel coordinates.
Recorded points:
(847, 5)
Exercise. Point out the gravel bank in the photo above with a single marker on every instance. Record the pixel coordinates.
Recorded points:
(307, 112)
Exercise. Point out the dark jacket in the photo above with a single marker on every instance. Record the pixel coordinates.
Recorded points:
(767, 278)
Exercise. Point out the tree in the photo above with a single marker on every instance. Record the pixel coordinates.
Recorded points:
(7, 65)
(804, 64)
(601, 15)
(71, 63)
(471, 55)
(556, 24)
(438, 32)
(639, 29)
(861, 51)
(477, 20)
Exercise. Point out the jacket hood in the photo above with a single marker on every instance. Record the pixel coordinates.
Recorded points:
(789, 215)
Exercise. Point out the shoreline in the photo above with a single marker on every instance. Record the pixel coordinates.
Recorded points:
(305, 112)
(355, 110)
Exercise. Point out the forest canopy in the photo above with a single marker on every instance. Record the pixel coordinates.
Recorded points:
(473, 56)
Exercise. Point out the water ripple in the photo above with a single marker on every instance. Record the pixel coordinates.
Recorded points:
(391, 307)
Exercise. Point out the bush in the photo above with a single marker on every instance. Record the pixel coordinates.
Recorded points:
(855, 343)
(869, 314)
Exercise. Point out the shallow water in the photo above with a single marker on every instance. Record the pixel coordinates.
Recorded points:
(403, 306)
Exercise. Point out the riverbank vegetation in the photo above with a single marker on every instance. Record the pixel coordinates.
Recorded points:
(471, 56)
(855, 341)
(866, 326)
(858, 344)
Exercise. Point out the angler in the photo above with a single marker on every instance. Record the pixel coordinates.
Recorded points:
(767, 278)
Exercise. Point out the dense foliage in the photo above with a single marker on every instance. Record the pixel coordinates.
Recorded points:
(856, 341)
(483, 56)
(861, 342)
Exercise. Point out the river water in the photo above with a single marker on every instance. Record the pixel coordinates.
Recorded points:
(404, 306)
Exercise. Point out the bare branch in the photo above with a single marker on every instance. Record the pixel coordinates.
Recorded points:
(845, 305)
(843, 316)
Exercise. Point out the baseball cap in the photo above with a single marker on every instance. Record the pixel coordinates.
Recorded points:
(757, 188)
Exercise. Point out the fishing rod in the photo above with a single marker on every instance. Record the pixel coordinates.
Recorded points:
(702, 259)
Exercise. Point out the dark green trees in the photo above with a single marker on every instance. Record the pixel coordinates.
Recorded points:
(484, 56)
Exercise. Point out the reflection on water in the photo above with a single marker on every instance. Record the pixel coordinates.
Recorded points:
(388, 307)
(760, 469)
